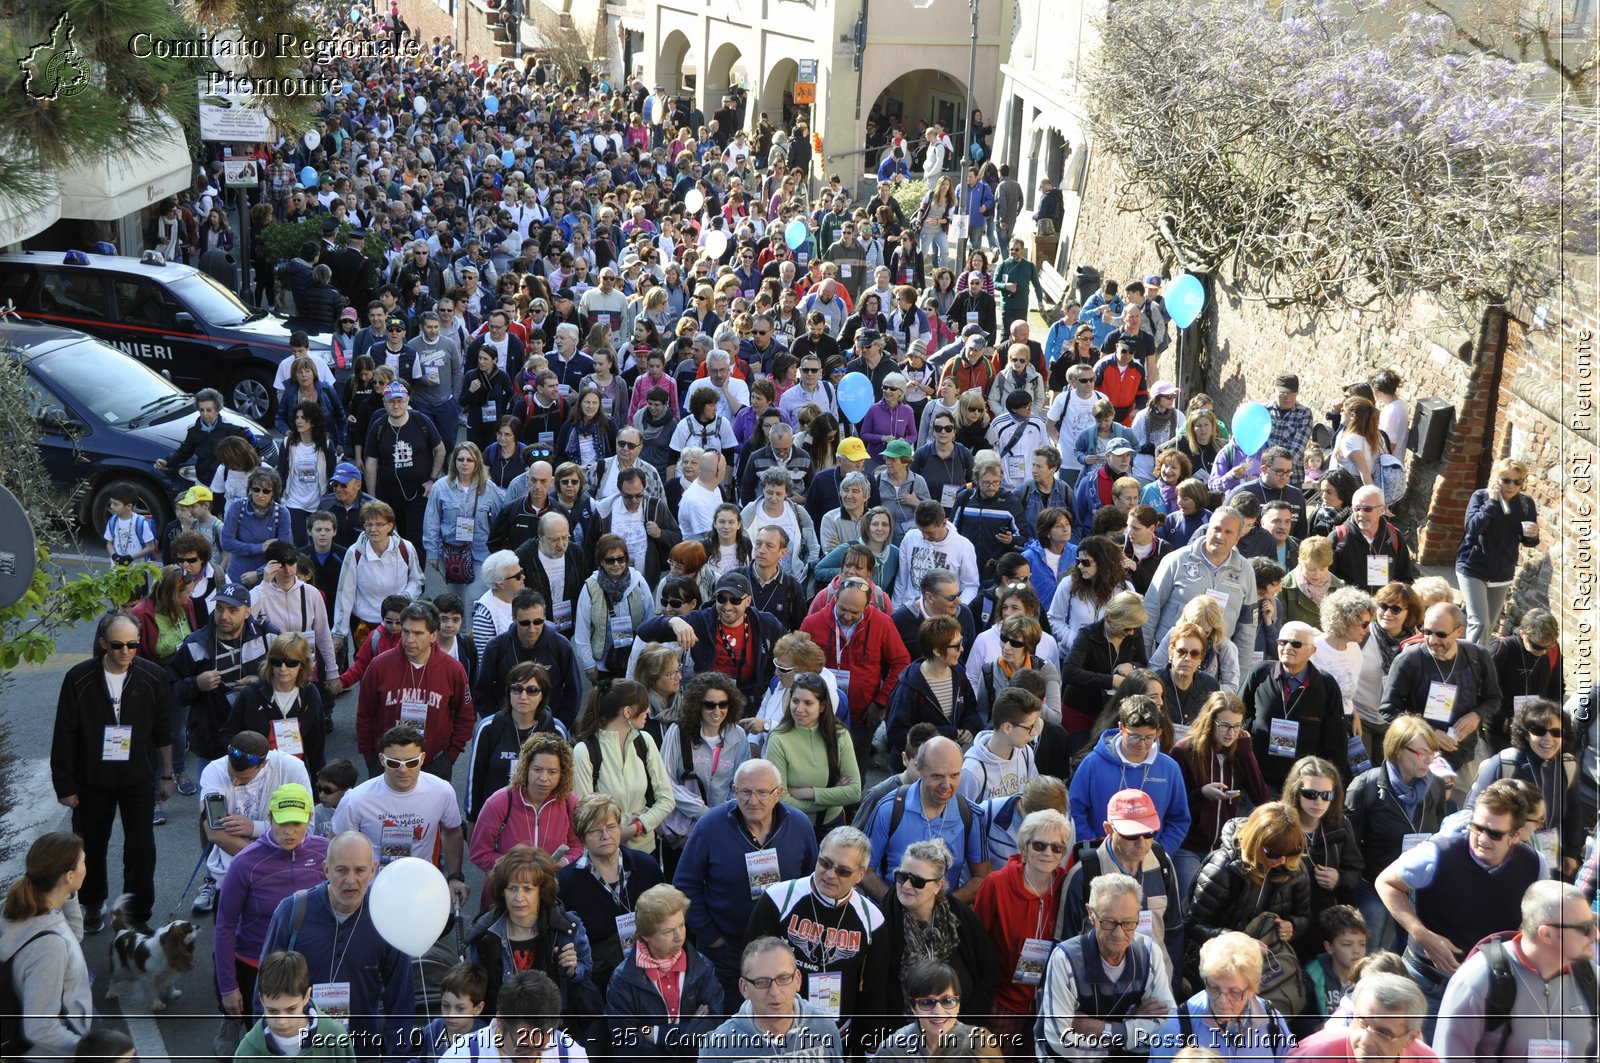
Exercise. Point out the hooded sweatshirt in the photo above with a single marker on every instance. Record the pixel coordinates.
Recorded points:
(985, 775)
(1012, 914)
(51, 979)
(1106, 770)
(813, 1036)
(257, 880)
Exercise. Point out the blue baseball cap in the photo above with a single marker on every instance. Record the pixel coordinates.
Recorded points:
(345, 472)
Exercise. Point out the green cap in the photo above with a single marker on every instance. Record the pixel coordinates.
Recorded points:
(290, 803)
(898, 448)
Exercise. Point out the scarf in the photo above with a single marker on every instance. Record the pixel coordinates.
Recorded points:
(1160, 427)
(934, 941)
(1315, 593)
(614, 586)
(666, 975)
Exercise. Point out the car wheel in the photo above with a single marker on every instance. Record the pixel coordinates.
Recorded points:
(153, 503)
(251, 395)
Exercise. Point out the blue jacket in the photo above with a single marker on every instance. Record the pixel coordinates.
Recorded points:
(1086, 501)
(1489, 543)
(382, 1004)
(981, 205)
(1057, 340)
(1103, 772)
(1044, 581)
(332, 410)
(245, 534)
(633, 1004)
(1090, 315)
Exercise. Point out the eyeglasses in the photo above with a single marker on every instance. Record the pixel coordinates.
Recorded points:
(714, 705)
(1277, 854)
(768, 983)
(119, 647)
(615, 559)
(1138, 740)
(1228, 728)
(842, 870)
(1494, 835)
(518, 690)
(748, 792)
(916, 881)
(729, 599)
(1509, 482)
(569, 480)
(394, 762)
(930, 1003)
(1053, 847)
(1226, 993)
(1385, 607)
(1540, 732)
(249, 760)
(1586, 929)
(1189, 654)
(1316, 795)
(283, 662)
(531, 623)
(1429, 633)
(1127, 926)
(1147, 836)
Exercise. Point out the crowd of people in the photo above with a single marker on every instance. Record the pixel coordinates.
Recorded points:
(1022, 713)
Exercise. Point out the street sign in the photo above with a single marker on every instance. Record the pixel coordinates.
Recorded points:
(808, 71)
(805, 92)
(240, 173)
(236, 117)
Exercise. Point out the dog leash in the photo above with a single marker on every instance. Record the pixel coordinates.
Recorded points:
(205, 850)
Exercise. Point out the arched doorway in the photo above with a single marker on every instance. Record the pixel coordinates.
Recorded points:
(777, 96)
(673, 70)
(725, 71)
(919, 98)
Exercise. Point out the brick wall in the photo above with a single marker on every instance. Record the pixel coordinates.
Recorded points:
(1515, 387)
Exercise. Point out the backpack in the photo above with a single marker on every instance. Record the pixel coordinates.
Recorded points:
(15, 1044)
(1091, 868)
(1390, 475)
(898, 812)
(640, 748)
(1506, 768)
(1502, 994)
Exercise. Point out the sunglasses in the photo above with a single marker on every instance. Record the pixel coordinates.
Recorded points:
(941, 428)
(395, 762)
(1018, 643)
(729, 599)
(1496, 835)
(1315, 795)
(1191, 654)
(916, 881)
(709, 704)
(530, 623)
(1540, 732)
(1429, 633)
(673, 603)
(189, 560)
(528, 689)
(1048, 847)
(618, 559)
(623, 444)
(516, 575)
(1085, 562)
(1509, 482)
(1275, 854)
(1364, 509)
(570, 480)
(261, 490)
(1384, 607)
(283, 662)
(122, 646)
(327, 790)
(249, 760)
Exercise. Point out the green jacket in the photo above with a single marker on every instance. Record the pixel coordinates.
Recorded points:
(1023, 274)
(328, 1040)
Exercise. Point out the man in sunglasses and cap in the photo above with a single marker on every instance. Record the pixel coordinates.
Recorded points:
(245, 776)
(726, 636)
(1129, 847)
(213, 663)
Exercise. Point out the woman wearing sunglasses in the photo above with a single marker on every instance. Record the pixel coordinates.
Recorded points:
(924, 924)
(612, 605)
(1538, 732)
(1017, 905)
(283, 703)
(936, 1029)
(1500, 518)
(1019, 638)
(1218, 765)
(1333, 854)
(703, 749)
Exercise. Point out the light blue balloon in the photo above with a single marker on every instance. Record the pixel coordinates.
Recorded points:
(795, 235)
(508, 157)
(1252, 423)
(308, 177)
(855, 396)
(349, 89)
(491, 104)
(1185, 299)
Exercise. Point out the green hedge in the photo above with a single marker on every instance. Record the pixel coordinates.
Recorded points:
(281, 242)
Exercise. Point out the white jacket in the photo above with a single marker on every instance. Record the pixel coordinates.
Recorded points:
(368, 578)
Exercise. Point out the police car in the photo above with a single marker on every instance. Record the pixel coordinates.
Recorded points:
(175, 319)
(104, 419)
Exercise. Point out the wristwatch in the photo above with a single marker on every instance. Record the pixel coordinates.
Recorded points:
(455, 876)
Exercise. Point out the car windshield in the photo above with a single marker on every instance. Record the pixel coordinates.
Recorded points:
(115, 387)
(209, 301)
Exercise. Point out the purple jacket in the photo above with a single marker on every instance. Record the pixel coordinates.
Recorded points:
(259, 878)
(879, 426)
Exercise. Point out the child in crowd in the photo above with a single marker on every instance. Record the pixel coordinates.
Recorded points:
(335, 779)
(193, 509)
(461, 1000)
(1269, 581)
(290, 1024)
(129, 536)
(1380, 962)
(327, 557)
(1344, 941)
(1315, 461)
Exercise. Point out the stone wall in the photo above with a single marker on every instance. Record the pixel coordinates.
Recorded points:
(1513, 384)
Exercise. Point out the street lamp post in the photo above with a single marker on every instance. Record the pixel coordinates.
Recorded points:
(966, 151)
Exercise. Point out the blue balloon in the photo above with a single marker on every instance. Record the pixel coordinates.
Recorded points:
(1252, 424)
(1185, 299)
(855, 396)
(308, 177)
(508, 157)
(491, 104)
(795, 235)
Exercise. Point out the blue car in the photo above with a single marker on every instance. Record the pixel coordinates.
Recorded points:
(105, 419)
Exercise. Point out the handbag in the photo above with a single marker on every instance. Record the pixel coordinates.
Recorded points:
(1282, 982)
(455, 559)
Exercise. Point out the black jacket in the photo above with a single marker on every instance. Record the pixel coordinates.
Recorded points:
(1350, 552)
(1087, 669)
(84, 711)
(493, 753)
(657, 549)
(199, 653)
(1375, 816)
(975, 962)
(318, 309)
(1318, 709)
(1338, 848)
(768, 631)
(254, 710)
(1225, 898)
(584, 896)
(913, 702)
(505, 651)
(537, 579)
(202, 446)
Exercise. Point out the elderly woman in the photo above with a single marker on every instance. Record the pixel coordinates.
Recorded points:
(1309, 583)
(899, 489)
(602, 886)
(1222, 656)
(843, 525)
(503, 579)
(1017, 905)
(1393, 807)
(1218, 765)
(1100, 659)
(664, 998)
(525, 928)
(250, 523)
(1347, 616)
(1398, 614)
(1185, 686)
(703, 749)
(881, 565)
(1500, 519)
(51, 978)
(1226, 1015)
(924, 924)
(936, 1030)
(1019, 638)
(1256, 871)
(1538, 729)
(775, 508)
(889, 418)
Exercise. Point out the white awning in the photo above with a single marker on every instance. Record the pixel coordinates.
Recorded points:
(113, 186)
(19, 220)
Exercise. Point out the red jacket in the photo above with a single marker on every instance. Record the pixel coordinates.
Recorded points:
(1012, 915)
(379, 640)
(391, 682)
(1121, 385)
(874, 656)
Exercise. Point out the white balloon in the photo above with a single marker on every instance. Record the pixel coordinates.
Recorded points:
(693, 200)
(420, 104)
(716, 243)
(410, 904)
(313, 138)
(601, 143)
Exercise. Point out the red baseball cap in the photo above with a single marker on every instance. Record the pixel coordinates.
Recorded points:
(1132, 812)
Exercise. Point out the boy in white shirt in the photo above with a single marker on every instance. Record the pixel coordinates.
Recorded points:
(1000, 762)
(129, 537)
